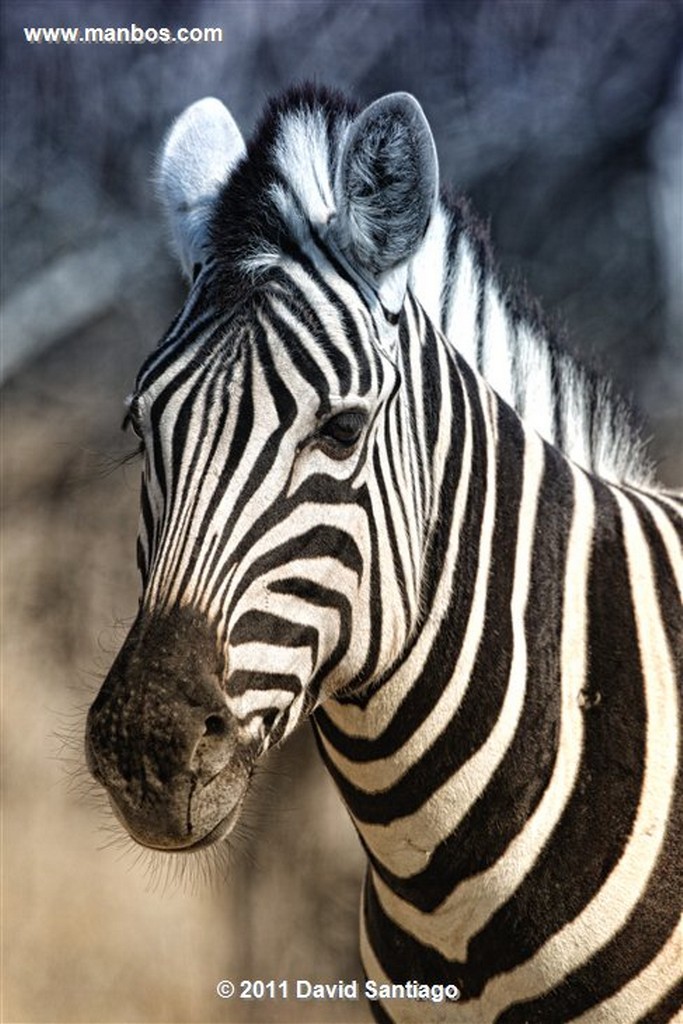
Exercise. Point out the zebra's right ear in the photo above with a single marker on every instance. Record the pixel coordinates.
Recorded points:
(385, 191)
(201, 149)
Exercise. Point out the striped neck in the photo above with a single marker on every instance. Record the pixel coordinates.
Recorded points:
(486, 764)
(479, 477)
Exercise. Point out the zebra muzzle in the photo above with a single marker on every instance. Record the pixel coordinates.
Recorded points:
(161, 741)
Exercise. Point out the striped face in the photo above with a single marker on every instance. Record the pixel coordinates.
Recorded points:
(280, 452)
(265, 540)
(261, 493)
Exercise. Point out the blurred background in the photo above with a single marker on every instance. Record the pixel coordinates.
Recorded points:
(563, 121)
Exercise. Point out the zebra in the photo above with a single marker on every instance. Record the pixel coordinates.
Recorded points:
(377, 494)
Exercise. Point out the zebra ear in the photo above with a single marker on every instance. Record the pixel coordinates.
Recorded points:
(385, 190)
(201, 149)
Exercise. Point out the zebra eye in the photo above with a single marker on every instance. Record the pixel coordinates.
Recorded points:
(344, 430)
(131, 419)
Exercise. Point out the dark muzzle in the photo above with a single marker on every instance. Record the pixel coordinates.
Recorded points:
(160, 739)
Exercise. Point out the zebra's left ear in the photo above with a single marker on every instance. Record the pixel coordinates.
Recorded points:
(201, 149)
(385, 190)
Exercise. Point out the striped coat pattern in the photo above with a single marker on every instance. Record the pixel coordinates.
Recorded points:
(377, 494)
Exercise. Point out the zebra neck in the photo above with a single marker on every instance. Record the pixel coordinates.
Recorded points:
(411, 760)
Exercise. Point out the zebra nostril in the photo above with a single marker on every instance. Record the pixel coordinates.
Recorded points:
(215, 725)
(215, 746)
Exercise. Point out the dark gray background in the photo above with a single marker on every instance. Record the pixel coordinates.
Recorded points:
(561, 120)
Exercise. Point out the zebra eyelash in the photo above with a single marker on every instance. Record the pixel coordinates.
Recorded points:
(116, 462)
(132, 455)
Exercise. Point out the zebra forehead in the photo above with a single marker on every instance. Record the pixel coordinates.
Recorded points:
(302, 154)
(285, 182)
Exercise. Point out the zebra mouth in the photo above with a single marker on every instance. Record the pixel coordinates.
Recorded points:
(218, 832)
(188, 844)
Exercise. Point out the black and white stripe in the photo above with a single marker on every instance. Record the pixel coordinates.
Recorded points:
(477, 598)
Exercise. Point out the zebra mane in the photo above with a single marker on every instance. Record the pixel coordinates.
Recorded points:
(280, 195)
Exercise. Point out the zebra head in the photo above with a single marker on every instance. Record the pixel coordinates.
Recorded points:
(273, 575)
